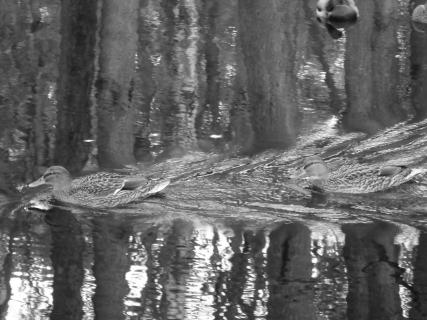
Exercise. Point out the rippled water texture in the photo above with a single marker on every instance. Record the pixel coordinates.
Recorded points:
(230, 242)
(227, 99)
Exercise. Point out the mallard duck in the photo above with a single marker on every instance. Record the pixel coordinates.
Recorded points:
(419, 17)
(335, 14)
(99, 190)
(420, 13)
(356, 178)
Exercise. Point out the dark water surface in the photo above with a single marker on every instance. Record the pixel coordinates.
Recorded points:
(233, 236)
(235, 241)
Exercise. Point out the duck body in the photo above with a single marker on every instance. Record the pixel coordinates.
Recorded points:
(99, 190)
(356, 178)
(335, 14)
(368, 179)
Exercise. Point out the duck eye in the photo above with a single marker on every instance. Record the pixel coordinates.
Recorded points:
(308, 165)
(48, 174)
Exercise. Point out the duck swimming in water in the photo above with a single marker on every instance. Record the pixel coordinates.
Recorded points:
(357, 178)
(335, 14)
(419, 17)
(99, 190)
(420, 13)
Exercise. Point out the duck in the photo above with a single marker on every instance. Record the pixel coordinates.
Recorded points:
(419, 17)
(356, 178)
(99, 190)
(420, 13)
(336, 14)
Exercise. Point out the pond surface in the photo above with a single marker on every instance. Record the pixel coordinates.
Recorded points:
(234, 236)
(230, 239)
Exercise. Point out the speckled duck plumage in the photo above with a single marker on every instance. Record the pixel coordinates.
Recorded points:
(357, 178)
(99, 190)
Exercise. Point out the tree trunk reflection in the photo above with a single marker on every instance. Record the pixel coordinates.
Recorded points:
(149, 298)
(289, 272)
(419, 307)
(67, 261)
(176, 258)
(115, 82)
(111, 264)
(418, 68)
(145, 86)
(6, 238)
(371, 258)
(179, 105)
(269, 32)
(210, 10)
(76, 68)
(372, 70)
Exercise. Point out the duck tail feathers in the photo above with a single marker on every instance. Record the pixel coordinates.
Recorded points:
(417, 172)
(158, 187)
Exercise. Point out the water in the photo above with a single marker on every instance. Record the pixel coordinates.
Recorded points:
(230, 242)
(233, 236)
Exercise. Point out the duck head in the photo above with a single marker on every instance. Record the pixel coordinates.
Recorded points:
(315, 170)
(419, 18)
(336, 14)
(58, 177)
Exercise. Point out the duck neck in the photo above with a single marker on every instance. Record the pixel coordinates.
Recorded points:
(318, 182)
(62, 187)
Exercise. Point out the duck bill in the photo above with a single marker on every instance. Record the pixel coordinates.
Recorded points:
(37, 183)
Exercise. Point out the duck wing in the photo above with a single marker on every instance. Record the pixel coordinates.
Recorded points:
(405, 172)
(105, 183)
(157, 187)
(388, 171)
(133, 183)
(149, 188)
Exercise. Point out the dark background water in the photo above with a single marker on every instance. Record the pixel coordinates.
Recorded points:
(225, 98)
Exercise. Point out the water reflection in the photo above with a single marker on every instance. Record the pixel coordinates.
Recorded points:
(195, 77)
(67, 247)
(373, 271)
(419, 310)
(199, 269)
(372, 48)
(289, 271)
(234, 237)
(238, 240)
(418, 60)
(111, 262)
